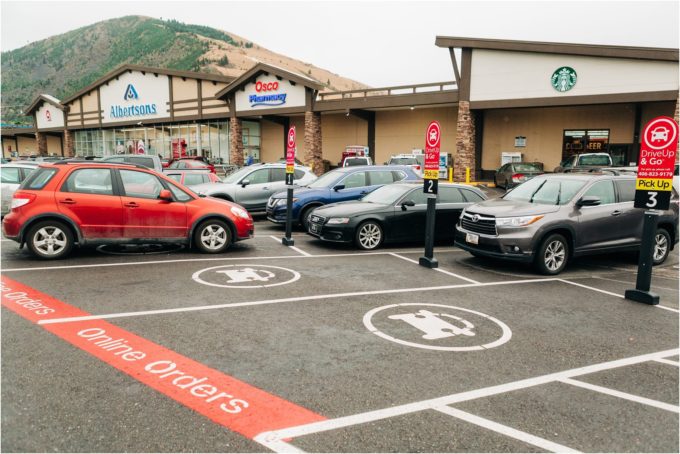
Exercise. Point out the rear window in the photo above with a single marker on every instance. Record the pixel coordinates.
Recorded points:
(594, 160)
(38, 179)
(146, 162)
(626, 189)
(402, 161)
(471, 196)
(194, 178)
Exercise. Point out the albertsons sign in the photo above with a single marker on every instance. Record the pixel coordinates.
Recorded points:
(135, 96)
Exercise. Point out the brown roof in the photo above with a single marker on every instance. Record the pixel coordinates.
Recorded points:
(260, 68)
(147, 69)
(594, 50)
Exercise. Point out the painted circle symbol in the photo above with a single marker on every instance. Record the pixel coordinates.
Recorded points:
(433, 135)
(291, 137)
(661, 133)
(245, 276)
(438, 326)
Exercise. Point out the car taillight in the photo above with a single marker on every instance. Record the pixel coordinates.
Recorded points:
(416, 167)
(22, 198)
(518, 177)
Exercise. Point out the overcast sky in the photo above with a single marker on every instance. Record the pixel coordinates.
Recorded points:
(379, 43)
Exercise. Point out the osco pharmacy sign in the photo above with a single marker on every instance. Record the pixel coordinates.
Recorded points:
(268, 92)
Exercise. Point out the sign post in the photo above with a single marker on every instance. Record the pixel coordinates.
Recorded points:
(653, 192)
(431, 188)
(290, 177)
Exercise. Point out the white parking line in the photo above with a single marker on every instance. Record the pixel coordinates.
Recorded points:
(621, 395)
(436, 269)
(278, 240)
(505, 430)
(613, 294)
(284, 300)
(376, 415)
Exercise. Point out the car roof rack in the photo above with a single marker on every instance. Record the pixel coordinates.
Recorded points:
(89, 161)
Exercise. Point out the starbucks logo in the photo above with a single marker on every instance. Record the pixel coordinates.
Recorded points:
(563, 79)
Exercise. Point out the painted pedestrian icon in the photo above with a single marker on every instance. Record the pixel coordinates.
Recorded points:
(434, 326)
(247, 275)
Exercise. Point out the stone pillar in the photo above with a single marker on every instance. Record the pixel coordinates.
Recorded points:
(69, 150)
(236, 141)
(313, 152)
(465, 143)
(41, 138)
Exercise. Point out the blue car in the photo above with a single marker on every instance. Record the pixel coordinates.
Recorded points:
(339, 185)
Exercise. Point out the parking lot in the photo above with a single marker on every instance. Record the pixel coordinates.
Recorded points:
(323, 348)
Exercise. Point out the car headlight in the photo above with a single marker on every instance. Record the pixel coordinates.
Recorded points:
(240, 212)
(338, 220)
(521, 221)
(278, 202)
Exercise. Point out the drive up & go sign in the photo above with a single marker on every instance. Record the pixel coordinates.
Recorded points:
(432, 148)
(656, 164)
(290, 156)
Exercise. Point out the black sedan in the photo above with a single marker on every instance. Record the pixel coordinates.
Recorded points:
(392, 213)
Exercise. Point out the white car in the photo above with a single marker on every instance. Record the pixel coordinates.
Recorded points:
(12, 174)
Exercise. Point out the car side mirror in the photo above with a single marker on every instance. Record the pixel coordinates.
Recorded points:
(338, 187)
(165, 195)
(407, 203)
(588, 201)
(245, 183)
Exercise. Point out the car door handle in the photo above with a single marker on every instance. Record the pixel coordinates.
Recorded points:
(616, 213)
(265, 189)
(68, 201)
(131, 205)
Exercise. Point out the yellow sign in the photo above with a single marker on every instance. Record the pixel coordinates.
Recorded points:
(653, 184)
(431, 174)
(290, 169)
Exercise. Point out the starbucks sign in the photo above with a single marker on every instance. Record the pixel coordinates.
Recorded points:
(563, 79)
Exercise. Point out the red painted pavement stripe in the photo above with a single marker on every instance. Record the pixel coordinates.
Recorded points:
(223, 399)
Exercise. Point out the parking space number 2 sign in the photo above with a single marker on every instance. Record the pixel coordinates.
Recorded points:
(432, 148)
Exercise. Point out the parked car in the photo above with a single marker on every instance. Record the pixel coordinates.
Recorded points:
(252, 186)
(149, 161)
(392, 213)
(417, 162)
(191, 162)
(192, 177)
(357, 161)
(11, 176)
(68, 203)
(514, 173)
(551, 219)
(339, 185)
(586, 160)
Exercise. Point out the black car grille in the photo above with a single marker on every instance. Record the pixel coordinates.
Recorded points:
(477, 223)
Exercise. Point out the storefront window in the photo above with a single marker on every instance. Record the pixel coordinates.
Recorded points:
(251, 140)
(210, 139)
(585, 141)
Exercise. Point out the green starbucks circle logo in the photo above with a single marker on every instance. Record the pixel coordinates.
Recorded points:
(563, 79)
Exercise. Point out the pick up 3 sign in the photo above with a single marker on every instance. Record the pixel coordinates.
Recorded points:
(656, 164)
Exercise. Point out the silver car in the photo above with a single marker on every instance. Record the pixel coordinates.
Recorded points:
(252, 186)
(12, 175)
(552, 218)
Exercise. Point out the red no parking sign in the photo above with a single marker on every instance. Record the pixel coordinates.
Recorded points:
(290, 156)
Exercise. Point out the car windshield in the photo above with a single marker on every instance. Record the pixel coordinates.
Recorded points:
(594, 160)
(234, 177)
(402, 161)
(546, 191)
(527, 168)
(356, 161)
(387, 194)
(326, 180)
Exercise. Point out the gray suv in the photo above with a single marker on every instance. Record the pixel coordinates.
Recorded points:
(252, 186)
(552, 218)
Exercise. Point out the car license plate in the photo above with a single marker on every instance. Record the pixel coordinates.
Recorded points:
(471, 238)
(313, 228)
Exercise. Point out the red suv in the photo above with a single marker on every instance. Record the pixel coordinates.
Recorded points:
(71, 202)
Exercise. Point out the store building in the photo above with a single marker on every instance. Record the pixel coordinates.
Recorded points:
(534, 101)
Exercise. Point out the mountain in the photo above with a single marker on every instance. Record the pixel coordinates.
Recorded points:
(63, 64)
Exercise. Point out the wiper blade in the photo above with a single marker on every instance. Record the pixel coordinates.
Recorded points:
(531, 199)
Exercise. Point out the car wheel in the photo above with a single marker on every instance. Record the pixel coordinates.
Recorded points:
(50, 240)
(552, 255)
(662, 242)
(369, 235)
(212, 236)
(304, 217)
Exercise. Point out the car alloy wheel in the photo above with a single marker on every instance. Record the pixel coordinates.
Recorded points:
(50, 240)
(369, 236)
(553, 255)
(661, 246)
(213, 236)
